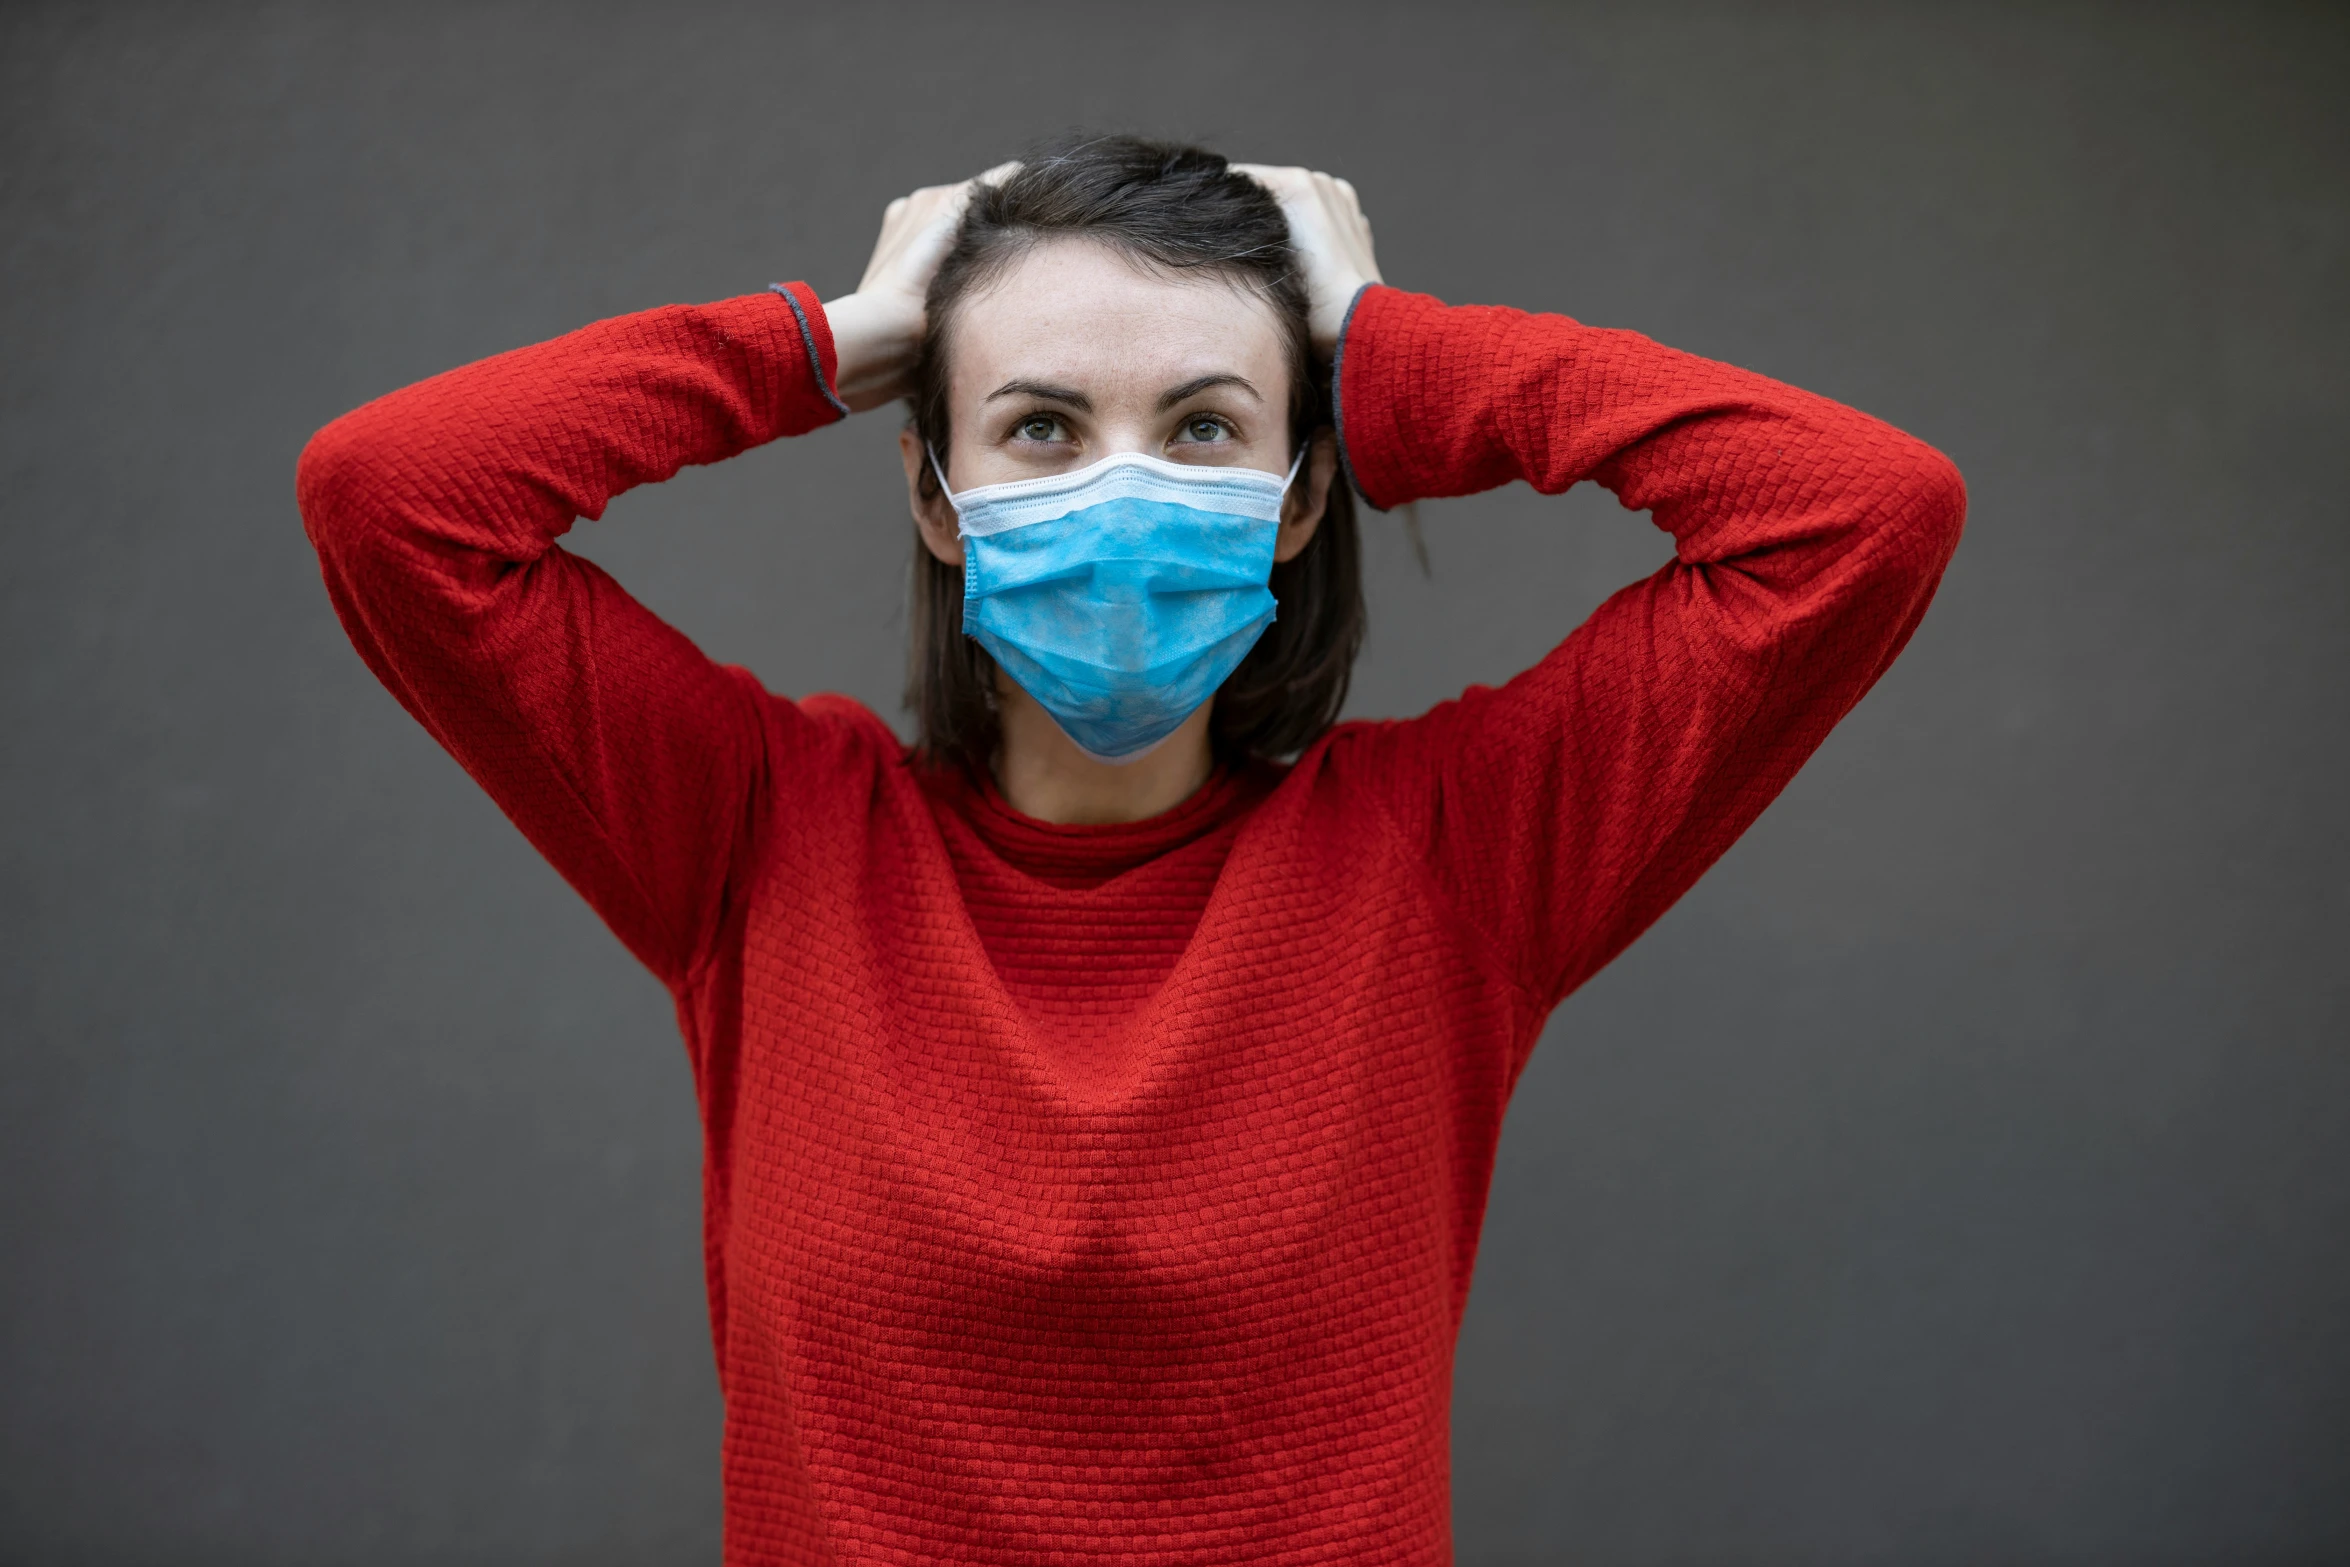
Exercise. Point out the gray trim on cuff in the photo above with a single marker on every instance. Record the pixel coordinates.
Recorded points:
(1338, 397)
(808, 339)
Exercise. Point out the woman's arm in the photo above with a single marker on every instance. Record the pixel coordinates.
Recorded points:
(1564, 812)
(627, 757)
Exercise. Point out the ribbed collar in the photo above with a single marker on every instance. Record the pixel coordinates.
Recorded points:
(1080, 856)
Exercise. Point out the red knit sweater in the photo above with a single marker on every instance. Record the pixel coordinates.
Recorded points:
(1086, 1192)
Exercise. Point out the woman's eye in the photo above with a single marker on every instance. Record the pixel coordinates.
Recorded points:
(1205, 429)
(1037, 427)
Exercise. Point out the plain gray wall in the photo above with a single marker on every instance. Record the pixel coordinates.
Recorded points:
(1961, 1173)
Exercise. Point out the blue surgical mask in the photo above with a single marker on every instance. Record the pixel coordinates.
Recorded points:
(1121, 596)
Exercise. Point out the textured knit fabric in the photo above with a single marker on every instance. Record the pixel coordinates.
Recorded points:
(1089, 1193)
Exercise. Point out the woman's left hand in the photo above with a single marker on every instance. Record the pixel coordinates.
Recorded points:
(1332, 237)
(877, 331)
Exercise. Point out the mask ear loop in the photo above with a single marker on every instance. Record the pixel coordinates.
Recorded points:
(1295, 463)
(944, 488)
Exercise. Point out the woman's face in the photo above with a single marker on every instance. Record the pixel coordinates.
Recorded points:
(1074, 353)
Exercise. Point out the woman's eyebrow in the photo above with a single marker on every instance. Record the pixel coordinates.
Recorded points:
(1174, 395)
(1053, 394)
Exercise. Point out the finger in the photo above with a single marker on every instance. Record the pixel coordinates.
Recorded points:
(928, 206)
(1280, 180)
(997, 175)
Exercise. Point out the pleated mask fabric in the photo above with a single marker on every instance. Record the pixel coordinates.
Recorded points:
(1122, 595)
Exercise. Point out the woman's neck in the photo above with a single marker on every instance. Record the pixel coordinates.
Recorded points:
(1043, 774)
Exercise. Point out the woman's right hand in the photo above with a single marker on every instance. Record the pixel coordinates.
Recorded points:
(877, 331)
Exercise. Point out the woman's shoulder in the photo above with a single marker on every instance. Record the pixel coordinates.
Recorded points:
(1343, 770)
(824, 732)
(1380, 771)
(1365, 746)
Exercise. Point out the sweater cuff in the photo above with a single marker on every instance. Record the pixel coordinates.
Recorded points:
(1391, 351)
(816, 338)
(1346, 467)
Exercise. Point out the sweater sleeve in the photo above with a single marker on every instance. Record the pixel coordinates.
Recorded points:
(624, 754)
(1560, 814)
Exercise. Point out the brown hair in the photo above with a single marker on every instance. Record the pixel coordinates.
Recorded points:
(1185, 211)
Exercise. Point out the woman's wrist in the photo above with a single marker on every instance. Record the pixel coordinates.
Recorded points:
(875, 339)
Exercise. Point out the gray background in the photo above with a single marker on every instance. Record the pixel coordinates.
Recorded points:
(1960, 1174)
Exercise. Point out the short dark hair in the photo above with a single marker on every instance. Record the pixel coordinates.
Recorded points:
(1183, 210)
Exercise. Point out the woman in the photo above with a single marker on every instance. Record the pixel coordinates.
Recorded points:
(1101, 1094)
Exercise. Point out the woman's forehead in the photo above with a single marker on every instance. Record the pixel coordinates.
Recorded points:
(1072, 311)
